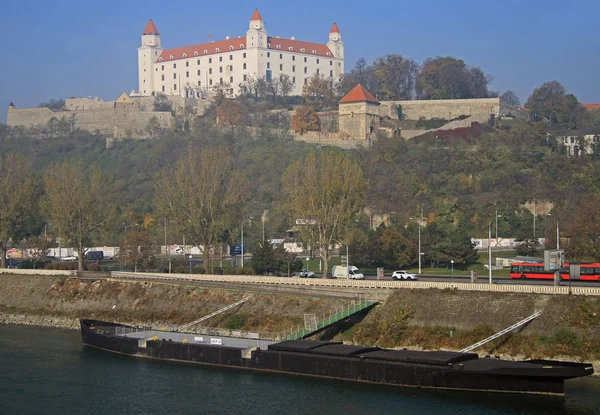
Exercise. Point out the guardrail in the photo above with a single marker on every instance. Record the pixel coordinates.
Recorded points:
(34, 271)
(362, 284)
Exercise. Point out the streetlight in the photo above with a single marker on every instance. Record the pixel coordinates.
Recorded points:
(190, 264)
(452, 262)
(490, 250)
(242, 238)
(419, 254)
(167, 250)
(557, 233)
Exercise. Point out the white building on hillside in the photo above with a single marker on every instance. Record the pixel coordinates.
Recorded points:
(188, 70)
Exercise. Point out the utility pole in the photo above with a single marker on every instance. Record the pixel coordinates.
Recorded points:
(496, 224)
(419, 253)
(490, 251)
(534, 214)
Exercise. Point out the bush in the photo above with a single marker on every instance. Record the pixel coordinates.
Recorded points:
(241, 271)
(431, 124)
(236, 321)
(198, 269)
(566, 337)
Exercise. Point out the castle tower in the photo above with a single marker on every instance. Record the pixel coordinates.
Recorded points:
(256, 43)
(148, 54)
(359, 115)
(335, 44)
(11, 106)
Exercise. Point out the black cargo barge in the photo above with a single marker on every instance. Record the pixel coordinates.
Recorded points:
(436, 369)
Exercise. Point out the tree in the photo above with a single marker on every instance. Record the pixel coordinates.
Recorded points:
(319, 93)
(396, 77)
(77, 203)
(510, 98)
(231, 112)
(137, 248)
(203, 194)
(18, 194)
(306, 119)
(362, 74)
(162, 103)
(325, 190)
(264, 259)
(552, 103)
(53, 104)
(451, 78)
(288, 261)
(584, 229)
(153, 127)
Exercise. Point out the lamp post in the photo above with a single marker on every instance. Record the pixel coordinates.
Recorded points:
(420, 253)
(496, 217)
(190, 264)
(242, 239)
(490, 251)
(167, 250)
(452, 262)
(557, 233)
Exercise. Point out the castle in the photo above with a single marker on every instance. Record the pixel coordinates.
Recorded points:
(188, 71)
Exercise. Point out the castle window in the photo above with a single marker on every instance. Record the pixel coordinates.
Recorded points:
(218, 50)
(174, 66)
(209, 60)
(317, 61)
(220, 69)
(241, 46)
(278, 46)
(244, 55)
(291, 48)
(230, 47)
(163, 88)
(196, 54)
(156, 70)
(210, 82)
(220, 59)
(268, 45)
(210, 71)
(269, 53)
(268, 65)
(330, 63)
(281, 56)
(171, 57)
(314, 52)
(294, 80)
(160, 59)
(281, 67)
(174, 76)
(305, 60)
(198, 62)
(244, 66)
(162, 67)
(205, 51)
(339, 63)
(317, 71)
(221, 81)
(174, 87)
(330, 73)
(305, 81)
(302, 50)
(231, 57)
(231, 68)
(294, 58)
(231, 79)
(198, 72)
(187, 74)
(294, 68)
(245, 78)
(162, 78)
(185, 55)
(328, 53)
(187, 64)
(305, 69)
(199, 83)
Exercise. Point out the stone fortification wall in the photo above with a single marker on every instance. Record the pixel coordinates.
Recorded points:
(130, 122)
(29, 117)
(445, 108)
(79, 104)
(359, 120)
(95, 120)
(329, 139)
(197, 106)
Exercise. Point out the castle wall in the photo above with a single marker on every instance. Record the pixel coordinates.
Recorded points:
(101, 120)
(29, 117)
(444, 108)
(329, 139)
(78, 104)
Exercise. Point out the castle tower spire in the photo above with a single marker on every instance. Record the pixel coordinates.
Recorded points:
(150, 29)
(148, 54)
(335, 44)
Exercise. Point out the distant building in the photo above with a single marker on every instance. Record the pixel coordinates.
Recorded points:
(579, 142)
(189, 70)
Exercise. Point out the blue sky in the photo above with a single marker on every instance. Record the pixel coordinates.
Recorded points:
(77, 48)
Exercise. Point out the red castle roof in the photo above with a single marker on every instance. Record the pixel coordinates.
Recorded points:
(359, 94)
(150, 28)
(256, 15)
(335, 29)
(591, 107)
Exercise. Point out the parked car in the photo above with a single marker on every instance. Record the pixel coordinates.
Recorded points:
(69, 258)
(94, 256)
(404, 275)
(304, 274)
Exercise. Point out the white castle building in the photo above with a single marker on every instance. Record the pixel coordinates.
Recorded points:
(188, 70)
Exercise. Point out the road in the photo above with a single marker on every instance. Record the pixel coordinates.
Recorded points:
(496, 280)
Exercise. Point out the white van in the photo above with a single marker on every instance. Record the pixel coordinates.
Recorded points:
(353, 273)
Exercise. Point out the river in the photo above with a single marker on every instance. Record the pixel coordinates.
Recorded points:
(49, 371)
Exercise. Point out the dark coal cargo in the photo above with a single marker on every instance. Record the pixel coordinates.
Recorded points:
(426, 369)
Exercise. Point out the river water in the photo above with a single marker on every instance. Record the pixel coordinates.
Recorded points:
(49, 371)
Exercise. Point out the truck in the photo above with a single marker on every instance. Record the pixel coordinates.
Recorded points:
(351, 272)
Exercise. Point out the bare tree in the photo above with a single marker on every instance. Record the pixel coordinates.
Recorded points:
(76, 202)
(203, 194)
(18, 193)
(324, 191)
